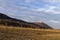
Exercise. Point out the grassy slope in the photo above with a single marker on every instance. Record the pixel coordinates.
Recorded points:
(13, 33)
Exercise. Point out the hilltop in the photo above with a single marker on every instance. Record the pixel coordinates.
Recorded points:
(8, 21)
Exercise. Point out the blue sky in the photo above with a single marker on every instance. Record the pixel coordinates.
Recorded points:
(47, 11)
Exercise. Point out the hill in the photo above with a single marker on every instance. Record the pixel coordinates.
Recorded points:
(5, 17)
(42, 24)
(16, 33)
(8, 21)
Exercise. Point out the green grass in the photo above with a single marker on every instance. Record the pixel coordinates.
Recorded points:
(16, 33)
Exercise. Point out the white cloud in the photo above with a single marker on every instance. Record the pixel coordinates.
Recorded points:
(51, 1)
(50, 9)
(53, 10)
(54, 21)
(32, 16)
(28, 1)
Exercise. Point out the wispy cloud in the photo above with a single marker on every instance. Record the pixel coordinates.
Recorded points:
(28, 1)
(51, 1)
(50, 9)
(54, 21)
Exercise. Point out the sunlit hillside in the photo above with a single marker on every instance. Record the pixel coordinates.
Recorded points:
(17, 33)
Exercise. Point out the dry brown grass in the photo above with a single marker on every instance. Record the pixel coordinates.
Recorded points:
(16, 33)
